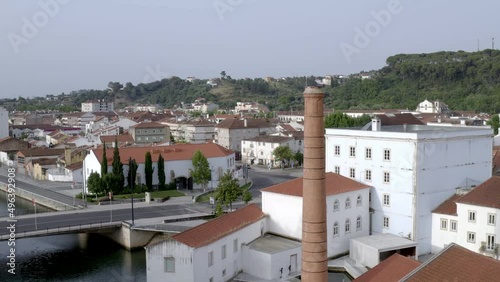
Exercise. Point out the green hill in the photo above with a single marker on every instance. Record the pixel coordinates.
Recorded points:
(463, 80)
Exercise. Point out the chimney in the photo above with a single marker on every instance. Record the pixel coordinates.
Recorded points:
(376, 124)
(314, 244)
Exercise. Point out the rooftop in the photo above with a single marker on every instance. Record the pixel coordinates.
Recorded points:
(149, 125)
(386, 242)
(449, 206)
(455, 263)
(220, 227)
(270, 139)
(487, 194)
(335, 184)
(414, 128)
(271, 244)
(392, 269)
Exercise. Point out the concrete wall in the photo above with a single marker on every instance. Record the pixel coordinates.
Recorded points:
(442, 237)
(364, 254)
(39, 199)
(129, 238)
(285, 214)
(184, 263)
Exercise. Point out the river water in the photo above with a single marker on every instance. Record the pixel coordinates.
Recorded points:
(76, 257)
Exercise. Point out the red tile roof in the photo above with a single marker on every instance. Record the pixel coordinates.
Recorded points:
(392, 269)
(449, 206)
(220, 227)
(456, 263)
(169, 153)
(240, 123)
(121, 138)
(335, 184)
(399, 119)
(486, 195)
(149, 125)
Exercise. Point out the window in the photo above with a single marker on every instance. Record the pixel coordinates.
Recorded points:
(444, 224)
(386, 222)
(337, 150)
(352, 172)
(387, 154)
(169, 264)
(490, 243)
(348, 203)
(336, 229)
(387, 200)
(491, 219)
(368, 153)
(472, 216)
(223, 272)
(337, 169)
(471, 237)
(368, 175)
(359, 201)
(235, 245)
(387, 177)
(336, 205)
(358, 223)
(223, 252)
(453, 225)
(352, 151)
(347, 225)
(210, 258)
(211, 279)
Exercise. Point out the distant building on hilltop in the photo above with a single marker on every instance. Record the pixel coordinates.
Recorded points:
(433, 107)
(97, 106)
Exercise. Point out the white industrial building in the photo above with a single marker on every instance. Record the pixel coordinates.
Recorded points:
(412, 169)
(468, 219)
(347, 210)
(260, 149)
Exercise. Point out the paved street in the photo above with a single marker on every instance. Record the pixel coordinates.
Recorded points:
(262, 177)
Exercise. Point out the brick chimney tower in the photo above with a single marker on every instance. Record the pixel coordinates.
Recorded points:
(314, 245)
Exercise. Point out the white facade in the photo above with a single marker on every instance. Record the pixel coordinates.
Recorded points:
(412, 168)
(285, 217)
(192, 264)
(433, 107)
(4, 123)
(478, 234)
(260, 150)
(97, 106)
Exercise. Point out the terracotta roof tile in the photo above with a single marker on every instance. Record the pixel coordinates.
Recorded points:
(169, 153)
(75, 166)
(335, 184)
(240, 123)
(120, 138)
(220, 227)
(456, 263)
(38, 152)
(270, 139)
(449, 206)
(149, 125)
(487, 194)
(392, 269)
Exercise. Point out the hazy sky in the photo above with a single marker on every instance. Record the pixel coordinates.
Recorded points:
(54, 46)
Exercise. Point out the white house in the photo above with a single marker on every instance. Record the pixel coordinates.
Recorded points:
(178, 163)
(412, 169)
(97, 106)
(212, 251)
(347, 203)
(260, 149)
(468, 219)
(433, 107)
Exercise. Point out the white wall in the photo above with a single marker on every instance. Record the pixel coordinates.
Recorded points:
(184, 264)
(442, 237)
(285, 214)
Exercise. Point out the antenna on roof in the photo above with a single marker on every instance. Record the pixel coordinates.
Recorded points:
(493, 43)
(478, 44)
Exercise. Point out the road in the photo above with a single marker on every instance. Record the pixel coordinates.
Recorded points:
(67, 200)
(58, 219)
(262, 178)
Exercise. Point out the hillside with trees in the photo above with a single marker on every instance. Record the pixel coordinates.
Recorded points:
(463, 80)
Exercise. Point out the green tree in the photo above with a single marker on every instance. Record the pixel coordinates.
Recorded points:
(148, 171)
(495, 123)
(228, 190)
(201, 173)
(223, 74)
(299, 157)
(118, 168)
(341, 120)
(115, 86)
(95, 184)
(283, 154)
(112, 183)
(247, 196)
(104, 162)
(161, 173)
(132, 173)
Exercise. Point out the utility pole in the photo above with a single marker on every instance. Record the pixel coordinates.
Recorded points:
(493, 43)
(132, 186)
(110, 207)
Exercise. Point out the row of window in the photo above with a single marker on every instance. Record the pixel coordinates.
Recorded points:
(347, 226)
(453, 224)
(491, 218)
(368, 152)
(490, 240)
(223, 252)
(138, 131)
(336, 203)
(146, 138)
(368, 174)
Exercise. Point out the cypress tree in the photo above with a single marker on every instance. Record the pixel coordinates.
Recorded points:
(118, 167)
(161, 173)
(104, 162)
(148, 171)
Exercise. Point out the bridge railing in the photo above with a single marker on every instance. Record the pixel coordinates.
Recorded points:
(64, 229)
